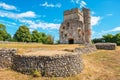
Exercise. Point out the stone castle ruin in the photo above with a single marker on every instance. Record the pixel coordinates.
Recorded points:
(75, 28)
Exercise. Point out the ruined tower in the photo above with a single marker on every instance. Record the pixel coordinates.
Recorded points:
(75, 28)
(87, 24)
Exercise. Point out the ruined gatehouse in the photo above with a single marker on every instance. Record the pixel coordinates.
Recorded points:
(76, 27)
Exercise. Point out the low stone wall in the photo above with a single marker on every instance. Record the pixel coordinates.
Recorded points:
(87, 49)
(63, 65)
(106, 46)
(58, 65)
(6, 57)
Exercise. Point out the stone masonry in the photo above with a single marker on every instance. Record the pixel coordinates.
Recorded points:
(6, 57)
(59, 65)
(63, 65)
(75, 28)
(106, 46)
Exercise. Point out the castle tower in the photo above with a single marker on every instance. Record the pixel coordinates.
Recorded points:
(74, 27)
(87, 24)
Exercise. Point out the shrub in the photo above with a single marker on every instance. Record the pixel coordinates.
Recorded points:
(36, 73)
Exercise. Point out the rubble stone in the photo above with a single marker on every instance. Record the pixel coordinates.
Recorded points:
(106, 46)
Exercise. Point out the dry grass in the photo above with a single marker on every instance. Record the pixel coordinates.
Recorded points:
(101, 65)
(30, 47)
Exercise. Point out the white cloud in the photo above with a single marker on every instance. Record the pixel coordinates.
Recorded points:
(56, 20)
(103, 32)
(82, 3)
(115, 29)
(75, 1)
(7, 6)
(58, 5)
(7, 22)
(95, 20)
(28, 14)
(92, 12)
(109, 14)
(43, 25)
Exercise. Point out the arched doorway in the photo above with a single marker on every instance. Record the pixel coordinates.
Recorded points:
(71, 41)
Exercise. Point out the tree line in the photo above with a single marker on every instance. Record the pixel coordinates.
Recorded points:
(108, 38)
(23, 34)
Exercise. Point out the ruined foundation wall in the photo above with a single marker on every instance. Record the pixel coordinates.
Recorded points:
(6, 57)
(89, 48)
(62, 65)
(58, 66)
(106, 46)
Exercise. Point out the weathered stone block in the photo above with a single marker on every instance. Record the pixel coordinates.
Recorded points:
(106, 46)
(87, 49)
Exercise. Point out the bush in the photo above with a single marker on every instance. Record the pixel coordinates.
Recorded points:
(36, 73)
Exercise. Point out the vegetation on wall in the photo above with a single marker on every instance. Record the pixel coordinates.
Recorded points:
(23, 34)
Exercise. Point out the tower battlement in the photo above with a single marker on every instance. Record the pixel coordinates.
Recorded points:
(72, 11)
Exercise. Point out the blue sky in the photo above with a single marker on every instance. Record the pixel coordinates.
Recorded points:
(47, 15)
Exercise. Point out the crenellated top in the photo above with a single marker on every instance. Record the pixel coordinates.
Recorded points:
(72, 11)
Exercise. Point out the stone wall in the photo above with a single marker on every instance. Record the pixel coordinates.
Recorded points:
(87, 49)
(6, 57)
(58, 65)
(106, 46)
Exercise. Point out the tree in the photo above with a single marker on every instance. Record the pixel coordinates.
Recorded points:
(36, 36)
(8, 38)
(3, 33)
(23, 34)
(97, 40)
(117, 38)
(108, 38)
(57, 41)
(49, 39)
(2, 27)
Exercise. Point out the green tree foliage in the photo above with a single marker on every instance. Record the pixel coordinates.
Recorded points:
(57, 41)
(4, 36)
(108, 38)
(116, 39)
(41, 37)
(23, 34)
(96, 40)
(49, 39)
(36, 36)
